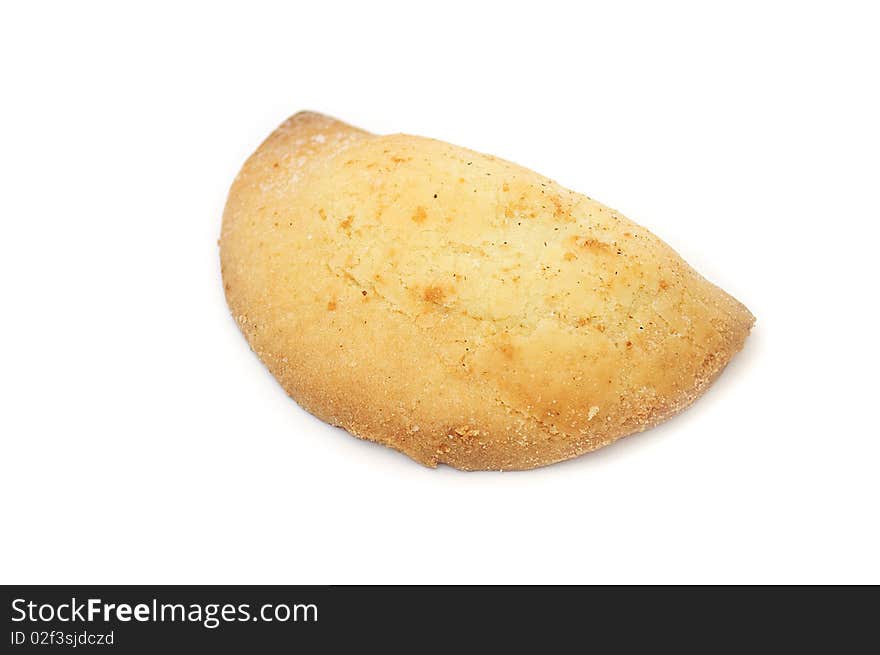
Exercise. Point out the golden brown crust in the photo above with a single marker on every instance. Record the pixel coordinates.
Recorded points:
(457, 307)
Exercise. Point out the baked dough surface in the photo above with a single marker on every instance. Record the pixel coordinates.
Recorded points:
(457, 307)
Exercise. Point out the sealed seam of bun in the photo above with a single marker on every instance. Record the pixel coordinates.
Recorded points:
(457, 307)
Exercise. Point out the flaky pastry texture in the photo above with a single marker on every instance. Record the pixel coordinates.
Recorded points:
(457, 307)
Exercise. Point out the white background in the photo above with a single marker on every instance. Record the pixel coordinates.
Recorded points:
(142, 442)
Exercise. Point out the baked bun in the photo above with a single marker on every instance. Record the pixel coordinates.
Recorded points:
(457, 307)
